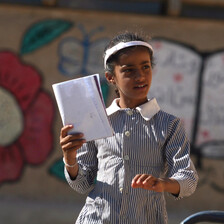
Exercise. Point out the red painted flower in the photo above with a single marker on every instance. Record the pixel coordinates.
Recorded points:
(26, 116)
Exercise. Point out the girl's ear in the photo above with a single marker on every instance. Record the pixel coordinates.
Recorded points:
(110, 78)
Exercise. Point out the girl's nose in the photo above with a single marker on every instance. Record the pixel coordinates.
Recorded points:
(139, 74)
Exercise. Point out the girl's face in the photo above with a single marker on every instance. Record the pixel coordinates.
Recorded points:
(133, 76)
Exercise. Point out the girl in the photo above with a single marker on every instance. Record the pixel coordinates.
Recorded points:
(126, 175)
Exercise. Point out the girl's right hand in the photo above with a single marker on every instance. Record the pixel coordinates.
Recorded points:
(70, 144)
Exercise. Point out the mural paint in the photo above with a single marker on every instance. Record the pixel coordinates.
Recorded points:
(82, 57)
(42, 33)
(27, 112)
(179, 73)
(190, 85)
(211, 119)
(175, 80)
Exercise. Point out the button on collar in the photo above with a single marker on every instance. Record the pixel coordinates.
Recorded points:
(129, 112)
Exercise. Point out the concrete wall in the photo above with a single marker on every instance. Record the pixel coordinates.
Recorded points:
(38, 47)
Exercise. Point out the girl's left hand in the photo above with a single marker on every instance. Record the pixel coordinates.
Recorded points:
(148, 182)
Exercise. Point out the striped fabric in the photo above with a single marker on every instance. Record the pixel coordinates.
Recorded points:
(146, 140)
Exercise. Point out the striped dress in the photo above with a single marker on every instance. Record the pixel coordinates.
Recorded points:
(146, 140)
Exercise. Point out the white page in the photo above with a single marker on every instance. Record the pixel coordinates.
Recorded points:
(81, 104)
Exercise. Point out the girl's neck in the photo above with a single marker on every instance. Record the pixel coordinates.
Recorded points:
(130, 103)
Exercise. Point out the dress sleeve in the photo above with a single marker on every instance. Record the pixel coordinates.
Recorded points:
(88, 166)
(180, 166)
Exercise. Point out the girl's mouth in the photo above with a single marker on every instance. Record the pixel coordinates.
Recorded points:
(140, 86)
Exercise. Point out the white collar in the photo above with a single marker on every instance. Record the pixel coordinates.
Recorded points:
(147, 110)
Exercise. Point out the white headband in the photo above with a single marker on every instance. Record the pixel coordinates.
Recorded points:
(123, 45)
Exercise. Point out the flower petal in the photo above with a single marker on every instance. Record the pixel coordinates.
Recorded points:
(37, 138)
(11, 163)
(21, 80)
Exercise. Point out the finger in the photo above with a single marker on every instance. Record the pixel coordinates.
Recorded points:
(138, 180)
(135, 179)
(142, 178)
(73, 145)
(150, 180)
(65, 129)
(69, 138)
(152, 183)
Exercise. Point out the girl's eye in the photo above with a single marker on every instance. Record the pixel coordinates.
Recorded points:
(128, 70)
(146, 66)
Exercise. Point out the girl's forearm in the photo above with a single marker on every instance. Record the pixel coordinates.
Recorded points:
(73, 171)
(171, 185)
(149, 182)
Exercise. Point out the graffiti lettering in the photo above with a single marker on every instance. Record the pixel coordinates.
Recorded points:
(179, 61)
(173, 97)
(214, 79)
(214, 115)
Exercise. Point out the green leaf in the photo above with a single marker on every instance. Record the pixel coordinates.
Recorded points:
(43, 33)
(57, 169)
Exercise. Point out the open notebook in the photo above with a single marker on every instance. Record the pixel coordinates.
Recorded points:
(81, 104)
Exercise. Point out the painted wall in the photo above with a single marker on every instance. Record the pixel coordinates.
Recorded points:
(39, 47)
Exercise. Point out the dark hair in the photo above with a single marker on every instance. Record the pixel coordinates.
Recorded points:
(124, 37)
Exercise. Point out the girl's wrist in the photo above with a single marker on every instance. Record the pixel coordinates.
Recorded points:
(70, 165)
(172, 186)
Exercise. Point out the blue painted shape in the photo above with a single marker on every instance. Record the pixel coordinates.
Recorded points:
(81, 57)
